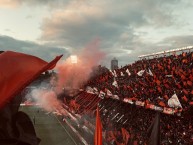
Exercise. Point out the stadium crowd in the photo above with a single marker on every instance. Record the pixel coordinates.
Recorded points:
(152, 81)
(129, 124)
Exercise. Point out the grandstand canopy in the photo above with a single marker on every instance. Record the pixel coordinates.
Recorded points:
(167, 51)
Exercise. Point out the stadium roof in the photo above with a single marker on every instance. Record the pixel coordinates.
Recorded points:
(167, 51)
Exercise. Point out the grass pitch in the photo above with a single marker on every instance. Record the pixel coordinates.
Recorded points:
(50, 128)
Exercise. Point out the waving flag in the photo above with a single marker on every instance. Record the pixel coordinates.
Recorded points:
(17, 71)
(154, 131)
(89, 90)
(115, 83)
(109, 92)
(115, 97)
(128, 72)
(101, 95)
(140, 73)
(112, 72)
(122, 74)
(98, 129)
(150, 73)
(95, 91)
(174, 102)
(115, 74)
(125, 135)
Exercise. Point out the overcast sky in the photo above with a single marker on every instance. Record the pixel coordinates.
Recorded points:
(125, 29)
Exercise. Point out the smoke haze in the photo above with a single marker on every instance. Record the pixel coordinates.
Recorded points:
(70, 76)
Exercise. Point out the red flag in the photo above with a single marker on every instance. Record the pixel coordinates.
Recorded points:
(159, 89)
(179, 86)
(191, 103)
(161, 103)
(166, 85)
(125, 135)
(184, 61)
(183, 54)
(189, 83)
(168, 68)
(173, 68)
(166, 97)
(191, 77)
(98, 129)
(184, 83)
(183, 77)
(185, 91)
(159, 66)
(185, 98)
(111, 136)
(169, 61)
(17, 71)
(158, 82)
(135, 142)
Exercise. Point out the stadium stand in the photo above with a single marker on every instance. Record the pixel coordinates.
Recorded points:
(130, 97)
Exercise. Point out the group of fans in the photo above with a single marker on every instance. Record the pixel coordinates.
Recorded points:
(150, 81)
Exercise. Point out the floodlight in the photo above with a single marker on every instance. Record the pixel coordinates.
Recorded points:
(73, 58)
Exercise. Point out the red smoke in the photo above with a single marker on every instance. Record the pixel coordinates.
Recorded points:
(69, 76)
(74, 75)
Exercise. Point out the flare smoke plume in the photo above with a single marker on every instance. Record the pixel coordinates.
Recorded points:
(70, 76)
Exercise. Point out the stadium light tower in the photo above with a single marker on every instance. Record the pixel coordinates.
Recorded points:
(73, 59)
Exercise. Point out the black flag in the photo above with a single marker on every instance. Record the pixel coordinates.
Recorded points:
(154, 131)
